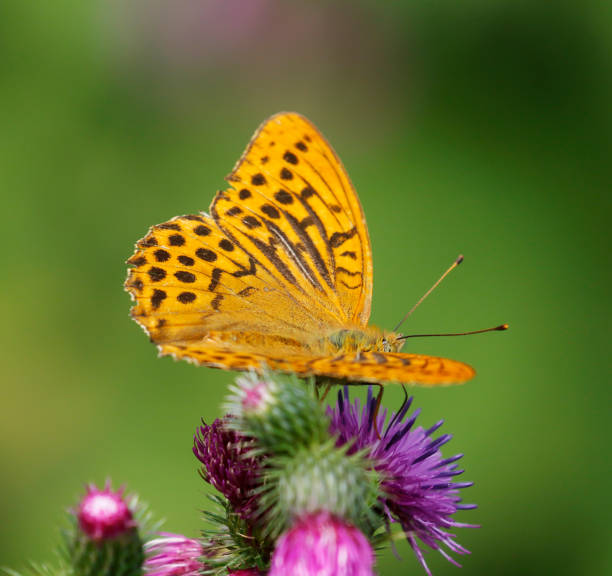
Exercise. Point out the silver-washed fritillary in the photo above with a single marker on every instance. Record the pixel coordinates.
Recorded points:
(278, 276)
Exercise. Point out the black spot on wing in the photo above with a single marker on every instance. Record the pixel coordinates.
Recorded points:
(202, 230)
(284, 197)
(251, 222)
(161, 255)
(186, 260)
(206, 254)
(158, 297)
(186, 297)
(136, 262)
(290, 157)
(169, 226)
(156, 274)
(148, 242)
(258, 179)
(185, 276)
(234, 211)
(226, 245)
(270, 211)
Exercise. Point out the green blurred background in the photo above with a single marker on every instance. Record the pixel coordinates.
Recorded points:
(481, 127)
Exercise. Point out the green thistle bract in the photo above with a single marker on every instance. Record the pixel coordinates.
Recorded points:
(320, 477)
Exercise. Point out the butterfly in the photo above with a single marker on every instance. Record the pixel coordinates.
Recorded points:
(278, 276)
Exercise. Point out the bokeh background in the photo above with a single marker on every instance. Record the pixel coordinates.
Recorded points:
(482, 127)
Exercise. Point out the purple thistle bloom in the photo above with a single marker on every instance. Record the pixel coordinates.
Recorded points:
(104, 514)
(226, 466)
(173, 555)
(416, 480)
(322, 545)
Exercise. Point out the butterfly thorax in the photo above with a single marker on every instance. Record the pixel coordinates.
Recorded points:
(357, 340)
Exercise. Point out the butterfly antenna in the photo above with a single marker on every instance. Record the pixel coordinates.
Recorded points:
(452, 267)
(494, 329)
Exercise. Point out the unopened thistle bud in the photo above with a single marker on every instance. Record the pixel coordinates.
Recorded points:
(279, 412)
(105, 541)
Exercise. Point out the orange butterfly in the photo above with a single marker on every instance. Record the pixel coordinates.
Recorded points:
(278, 276)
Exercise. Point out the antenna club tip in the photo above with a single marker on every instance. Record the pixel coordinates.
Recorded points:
(459, 259)
(503, 327)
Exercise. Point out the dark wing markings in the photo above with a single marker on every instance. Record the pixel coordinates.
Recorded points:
(339, 238)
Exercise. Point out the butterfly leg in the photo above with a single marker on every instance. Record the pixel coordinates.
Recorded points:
(326, 392)
(399, 414)
(377, 408)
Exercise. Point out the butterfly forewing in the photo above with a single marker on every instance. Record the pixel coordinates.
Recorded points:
(293, 206)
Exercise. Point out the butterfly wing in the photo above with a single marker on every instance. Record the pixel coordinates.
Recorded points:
(293, 207)
(189, 281)
(379, 367)
(374, 367)
(281, 260)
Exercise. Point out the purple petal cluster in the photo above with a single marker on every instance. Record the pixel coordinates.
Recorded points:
(417, 486)
(226, 464)
(173, 555)
(323, 545)
(104, 514)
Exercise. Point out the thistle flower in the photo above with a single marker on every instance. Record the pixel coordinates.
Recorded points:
(104, 514)
(322, 545)
(417, 486)
(173, 555)
(226, 465)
